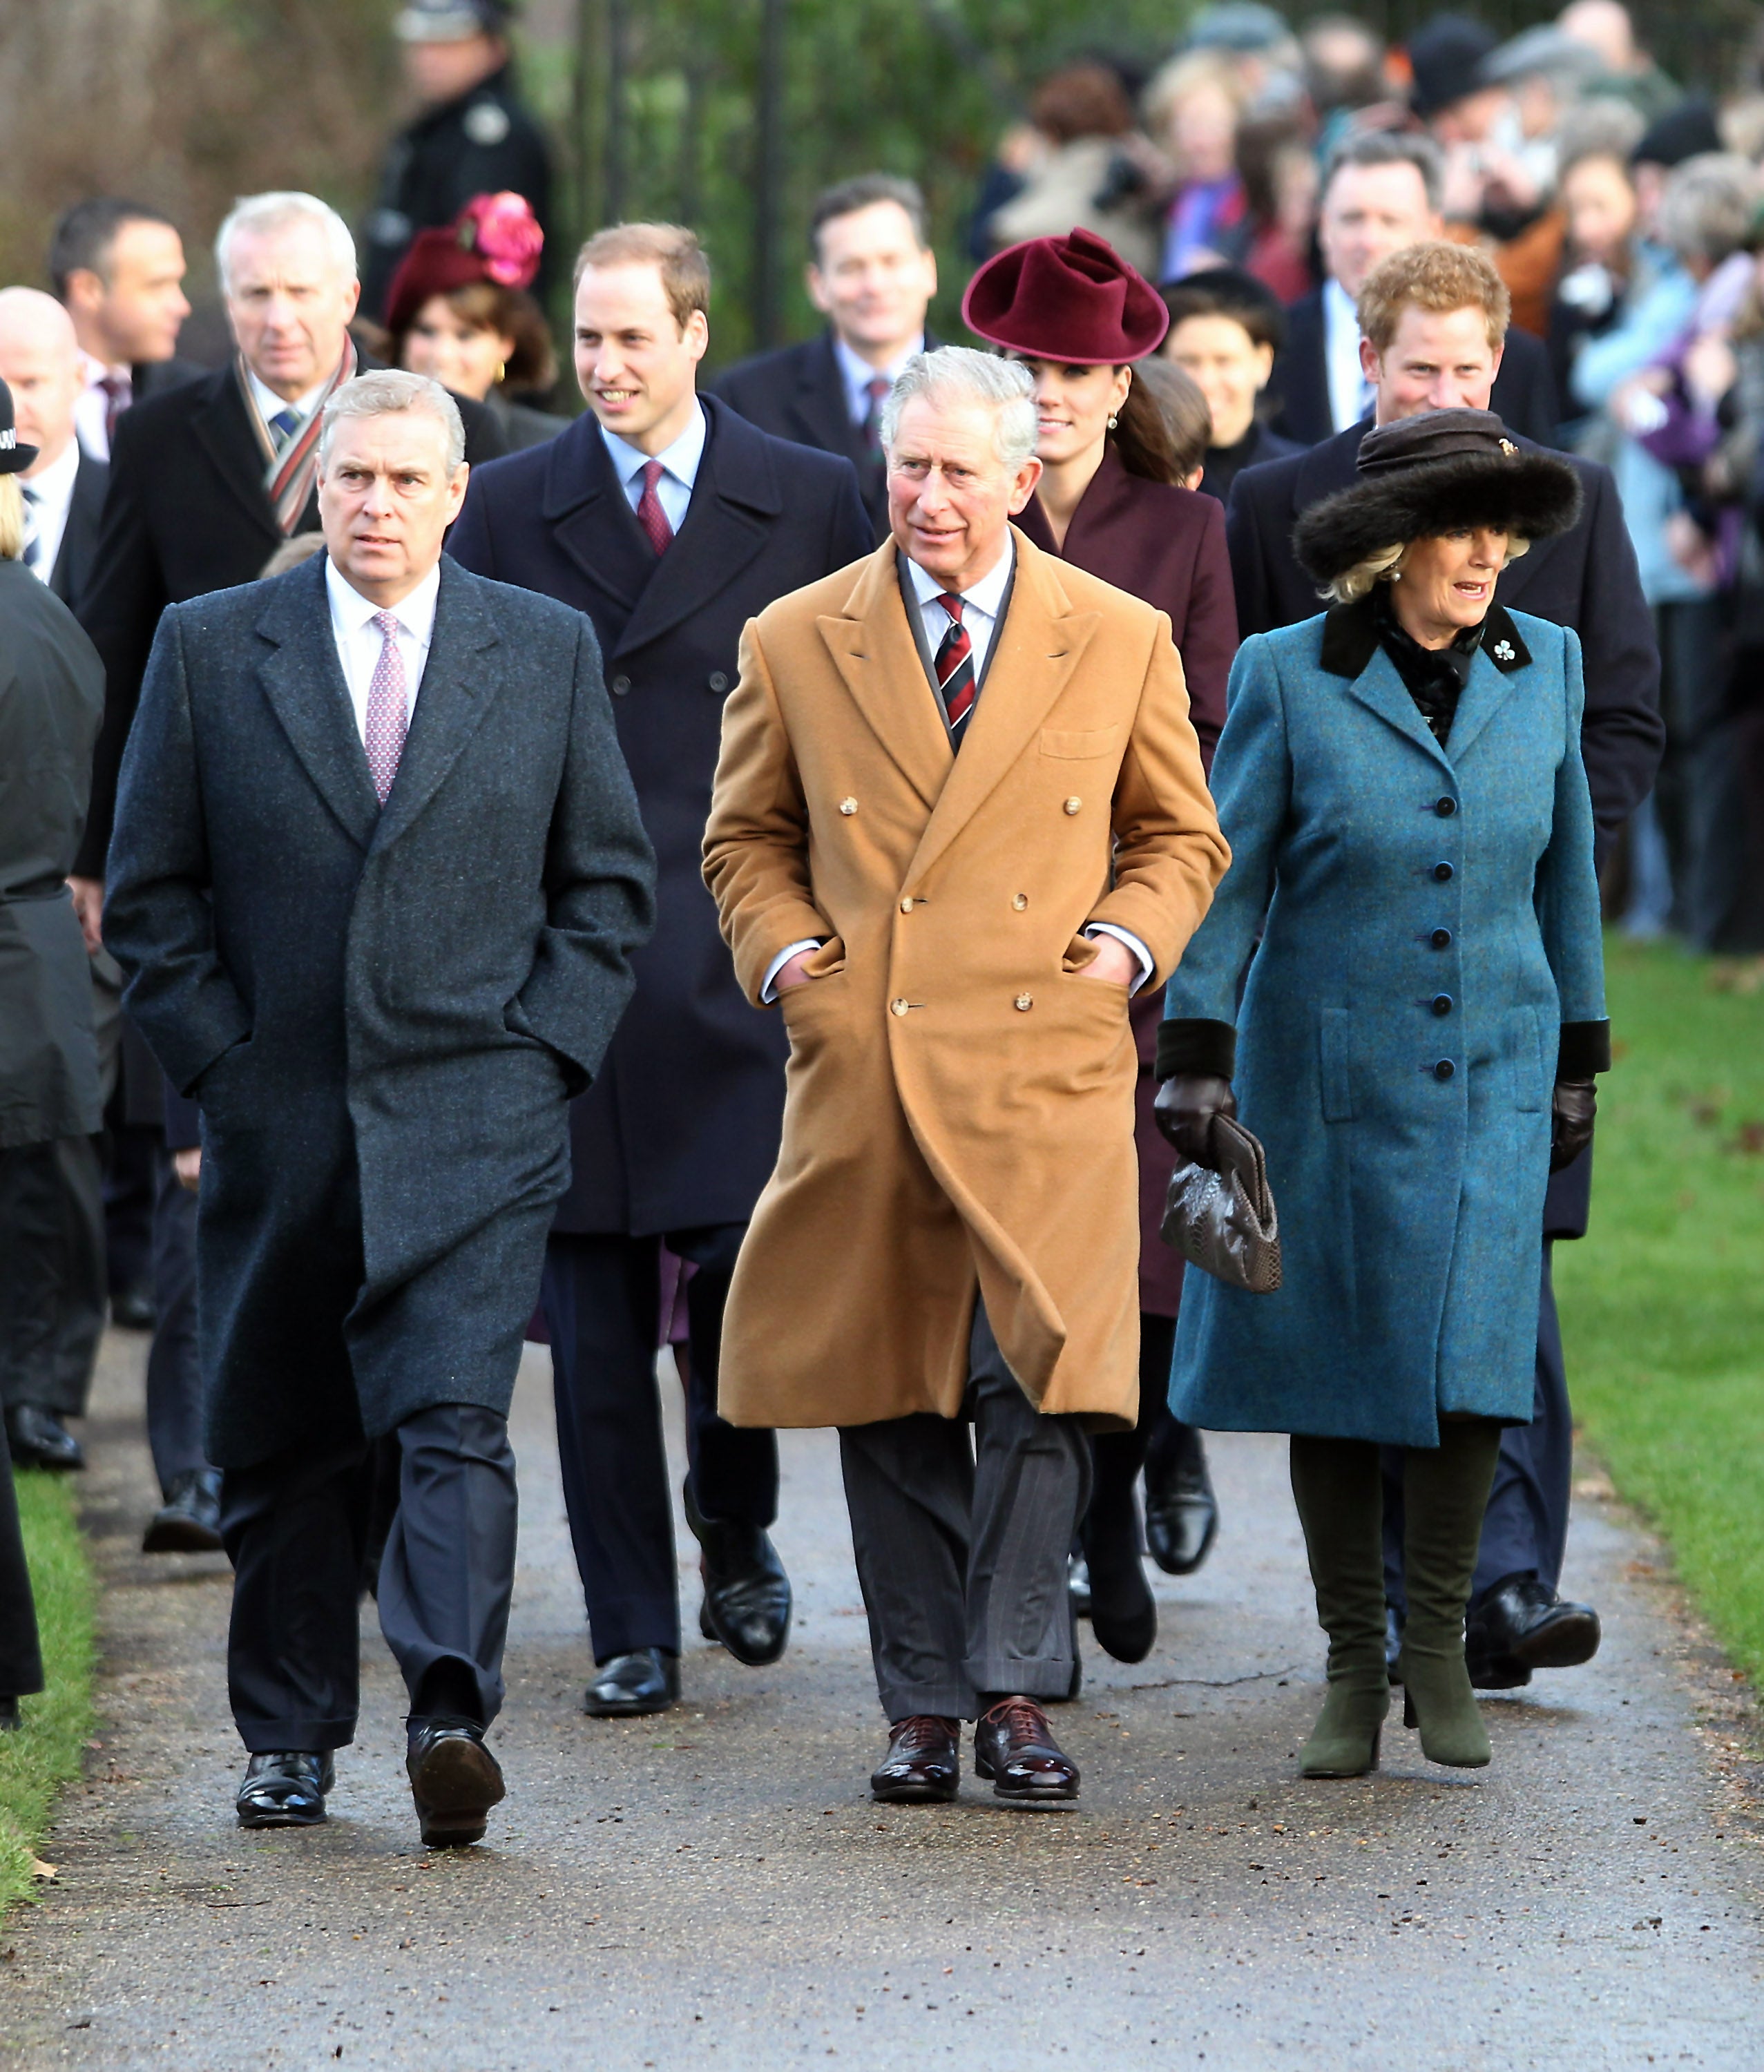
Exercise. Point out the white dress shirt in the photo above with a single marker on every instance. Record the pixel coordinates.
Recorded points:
(1350, 392)
(359, 640)
(982, 603)
(857, 374)
(92, 411)
(679, 465)
(47, 495)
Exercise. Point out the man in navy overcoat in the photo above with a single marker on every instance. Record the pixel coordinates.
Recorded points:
(377, 875)
(671, 522)
(1586, 579)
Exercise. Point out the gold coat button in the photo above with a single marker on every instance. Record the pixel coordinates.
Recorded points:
(1023, 1002)
(906, 906)
(1073, 805)
(1020, 902)
(899, 1006)
(848, 807)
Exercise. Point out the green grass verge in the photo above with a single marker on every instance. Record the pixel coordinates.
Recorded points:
(46, 1752)
(1663, 1304)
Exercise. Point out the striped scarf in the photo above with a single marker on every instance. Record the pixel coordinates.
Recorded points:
(289, 476)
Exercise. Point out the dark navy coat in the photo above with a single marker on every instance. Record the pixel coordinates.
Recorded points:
(681, 1129)
(382, 1012)
(1432, 921)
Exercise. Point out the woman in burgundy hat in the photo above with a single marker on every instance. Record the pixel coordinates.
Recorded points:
(1111, 500)
(459, 311)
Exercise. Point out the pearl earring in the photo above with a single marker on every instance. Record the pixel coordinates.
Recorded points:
(1113, 422)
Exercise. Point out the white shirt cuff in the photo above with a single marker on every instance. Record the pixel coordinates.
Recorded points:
(1146, 966)
(784, 957)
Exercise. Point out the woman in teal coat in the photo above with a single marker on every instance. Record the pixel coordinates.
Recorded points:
(1400, 781)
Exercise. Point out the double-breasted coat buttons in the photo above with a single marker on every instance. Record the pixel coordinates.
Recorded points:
(906, 905)
(899, 1006)
(848, 807)
(1074, 805)
(1023, 1002)
(1020, 902)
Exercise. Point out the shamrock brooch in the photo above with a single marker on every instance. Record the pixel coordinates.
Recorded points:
(1503, 650)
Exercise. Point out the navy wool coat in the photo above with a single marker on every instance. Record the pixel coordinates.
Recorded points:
(1431, 920)
(681, 1129)
(381, 1012)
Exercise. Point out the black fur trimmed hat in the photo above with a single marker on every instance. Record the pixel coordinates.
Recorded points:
(1440, 472)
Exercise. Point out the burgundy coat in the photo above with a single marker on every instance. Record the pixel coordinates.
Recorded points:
(1166, 546)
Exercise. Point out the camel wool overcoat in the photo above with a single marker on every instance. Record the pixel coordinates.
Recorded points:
(959, 1101)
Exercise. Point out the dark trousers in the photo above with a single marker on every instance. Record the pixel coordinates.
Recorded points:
(52, 1273)
(961, 1527)
(1699, 792)
(295, 1527)
(174, 1374)
(1525, 1527)
(21, 1658)
(602, 1297)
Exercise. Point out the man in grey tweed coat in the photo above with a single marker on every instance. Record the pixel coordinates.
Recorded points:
(377, 873)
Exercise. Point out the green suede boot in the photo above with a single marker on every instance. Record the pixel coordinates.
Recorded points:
(1445, 1493)
(1340, 1500)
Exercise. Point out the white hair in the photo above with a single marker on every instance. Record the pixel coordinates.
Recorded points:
(262, 213)
(958, 374)
(389, 389)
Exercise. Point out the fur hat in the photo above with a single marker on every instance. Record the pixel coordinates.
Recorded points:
(1440, 472)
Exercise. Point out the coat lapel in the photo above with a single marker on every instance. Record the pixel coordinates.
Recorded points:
(302, 680)
(1501, 654)
(1036, 650)
(585, 509)
(460, 681)
(873, 649)
(222, 428)
(1379, 688)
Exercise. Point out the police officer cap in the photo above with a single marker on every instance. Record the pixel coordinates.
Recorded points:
(15, 458)
(452, 21)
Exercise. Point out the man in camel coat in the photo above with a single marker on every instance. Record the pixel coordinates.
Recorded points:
(958, 820)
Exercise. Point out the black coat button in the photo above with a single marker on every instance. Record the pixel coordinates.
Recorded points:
(1444, 1069)
(719, 682)
(1442, 1003)
(1442, 871)
(1446, 808)
(620, 686)
(1441, 939)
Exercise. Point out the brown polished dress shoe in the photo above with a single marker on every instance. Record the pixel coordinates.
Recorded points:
(1014, 1746)
(923, 1761)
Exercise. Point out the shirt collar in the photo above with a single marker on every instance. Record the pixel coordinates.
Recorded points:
(986, 596)
(858, 373)
(350, 611)
(269, 403)
(95, 371)
(54, 485)
(681, 460)
(1339, 306)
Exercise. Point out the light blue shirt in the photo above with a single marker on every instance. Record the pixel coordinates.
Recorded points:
(857, 374)
(680, 464)
(1350, 392)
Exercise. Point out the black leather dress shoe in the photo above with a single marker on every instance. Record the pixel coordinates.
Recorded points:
(189, 1520)
(10, 1721)
(1014, 1746)
(133, 1309)
(454, 1780)
(285, 1789)
(1182, 1513)
(747, 1603)
(1522, 1625)
(626, 1685)
(923, 1762)
(38, 1439)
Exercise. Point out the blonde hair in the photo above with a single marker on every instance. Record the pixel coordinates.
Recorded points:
(1386, 565)
(12, 525)
(1436, 276)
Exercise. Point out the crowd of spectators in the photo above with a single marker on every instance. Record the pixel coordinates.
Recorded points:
(1624, 212)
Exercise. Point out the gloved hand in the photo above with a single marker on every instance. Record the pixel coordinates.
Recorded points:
(1573, 1107)
(1185, 1108)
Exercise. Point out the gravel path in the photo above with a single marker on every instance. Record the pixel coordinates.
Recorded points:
(715, 1887)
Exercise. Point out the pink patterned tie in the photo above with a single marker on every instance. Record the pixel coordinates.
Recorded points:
(387, 714)
(650, 514)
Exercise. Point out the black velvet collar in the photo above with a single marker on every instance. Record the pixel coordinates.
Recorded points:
(1350, 638)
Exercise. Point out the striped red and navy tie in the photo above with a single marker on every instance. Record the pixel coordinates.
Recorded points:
(955, 664)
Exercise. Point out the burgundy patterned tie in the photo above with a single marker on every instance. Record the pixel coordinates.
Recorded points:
(650, 514)
(956, 667)
(877, 390)
(387, 715)
(118, 389)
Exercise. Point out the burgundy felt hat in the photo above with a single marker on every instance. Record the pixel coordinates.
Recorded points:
(1073, 298)
(494, 238)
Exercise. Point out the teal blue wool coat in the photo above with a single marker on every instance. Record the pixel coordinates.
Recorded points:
(1432, 919)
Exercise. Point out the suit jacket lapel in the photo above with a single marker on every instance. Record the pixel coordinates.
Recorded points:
(584, 507)
(819, 405)
(220, 424)
(302, 680)
(873, 648)
(460, 681)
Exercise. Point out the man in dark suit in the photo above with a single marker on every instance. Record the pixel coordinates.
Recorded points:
(681, 1133)
(1382, 191)
(872, 272)
(117, 267)
(1434, 315)
(383, 1062)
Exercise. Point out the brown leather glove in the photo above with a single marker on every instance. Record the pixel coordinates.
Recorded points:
(1185, 1108)
(1572, 1107)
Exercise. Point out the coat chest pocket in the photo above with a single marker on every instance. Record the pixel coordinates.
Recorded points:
(1335, 1039)
(1529, 1072)
(1073, 746)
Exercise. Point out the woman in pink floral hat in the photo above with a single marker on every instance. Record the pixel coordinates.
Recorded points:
(459, 311)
